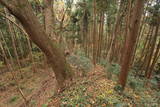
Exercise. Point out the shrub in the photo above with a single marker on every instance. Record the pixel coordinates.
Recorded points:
(135, 83)
(80, 62)
(111, 69)
(103, 62)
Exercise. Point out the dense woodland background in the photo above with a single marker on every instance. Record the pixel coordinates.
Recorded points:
(56, 52)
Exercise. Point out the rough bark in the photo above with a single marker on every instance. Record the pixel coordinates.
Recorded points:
(131, 40)
(23, 11)
(49, 17)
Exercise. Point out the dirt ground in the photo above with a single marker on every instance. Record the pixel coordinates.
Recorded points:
(36, 86)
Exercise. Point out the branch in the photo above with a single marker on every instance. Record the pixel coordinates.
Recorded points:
(7, 5)
(20, 27)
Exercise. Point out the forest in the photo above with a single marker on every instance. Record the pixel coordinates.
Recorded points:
(79, 53)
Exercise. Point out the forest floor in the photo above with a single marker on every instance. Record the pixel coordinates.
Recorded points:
(36, 86)
(91, 90)
(95, 90)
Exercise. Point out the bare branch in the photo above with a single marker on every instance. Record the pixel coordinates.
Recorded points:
(20, 27)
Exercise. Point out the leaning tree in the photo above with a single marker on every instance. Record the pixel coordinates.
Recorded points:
(24, 13)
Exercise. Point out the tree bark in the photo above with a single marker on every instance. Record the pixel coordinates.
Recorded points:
(49, 17)
(152, 50)
(23, 11)
(94, 33)
(131, 40)
(156, 56)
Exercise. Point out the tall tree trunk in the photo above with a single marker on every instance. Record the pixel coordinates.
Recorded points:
(23, 11)
(145, 45)
(156, 56)
(100, 36)
(127, 26)
(151, 50)
(115, 30)
(131, 40)
(141, 32)
(138, 39)
(49, 17)
(146, 51)
(85, 29)
(48, 22)
(94, 33)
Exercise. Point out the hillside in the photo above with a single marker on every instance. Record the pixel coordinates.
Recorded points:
(92, 90)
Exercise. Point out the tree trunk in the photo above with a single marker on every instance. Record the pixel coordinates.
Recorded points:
(146, 51)
(151, 50)
(22, 10)
(131, 40)
(85, 29)
(126, 31)
(94, 33)
(156, 56)
(100, 36)
(49, 17)
(115, 31)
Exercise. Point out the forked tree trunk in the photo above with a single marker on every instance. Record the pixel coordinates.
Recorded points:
(23, 11)
(131, 40)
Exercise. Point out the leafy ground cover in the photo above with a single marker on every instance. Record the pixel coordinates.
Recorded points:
(36, 86)
(96, 90)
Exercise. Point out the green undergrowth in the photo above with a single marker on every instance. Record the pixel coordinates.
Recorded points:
(97, 90)
(80, 62)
